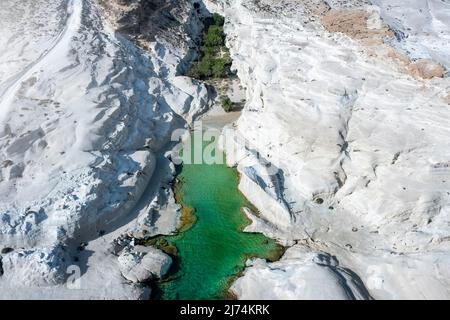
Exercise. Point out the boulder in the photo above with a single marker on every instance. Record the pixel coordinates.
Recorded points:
(141, 264)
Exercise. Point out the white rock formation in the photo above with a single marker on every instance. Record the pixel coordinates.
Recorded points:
(34, 267)
(144, 263)
(347, 115)
(300, 274)
(85, 117)
(348, 147)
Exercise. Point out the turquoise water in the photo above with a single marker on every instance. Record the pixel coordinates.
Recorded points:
(214, 249)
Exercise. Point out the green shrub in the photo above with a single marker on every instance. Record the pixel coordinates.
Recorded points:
(209, 67)
(211, 51)
(218, 20)
(202, 69)
(214, 37)
(219, 68)
(212, 62)
(227, 104)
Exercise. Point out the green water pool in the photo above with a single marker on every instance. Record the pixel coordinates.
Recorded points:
(213, 251)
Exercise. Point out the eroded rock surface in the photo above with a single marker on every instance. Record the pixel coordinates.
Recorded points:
(300, 274)
(347, 139)
(85, 119)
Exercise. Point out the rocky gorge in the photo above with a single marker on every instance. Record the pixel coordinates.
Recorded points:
(342, 145)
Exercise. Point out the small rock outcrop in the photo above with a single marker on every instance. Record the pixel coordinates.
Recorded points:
(141, 264)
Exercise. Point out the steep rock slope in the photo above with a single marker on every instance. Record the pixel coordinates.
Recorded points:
(343, 145)
(85, 115)
(19, 18)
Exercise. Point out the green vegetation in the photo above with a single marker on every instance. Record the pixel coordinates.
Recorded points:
(227, 104)
(214, 38)
(214, 62)
(218, 20)
(214, 59)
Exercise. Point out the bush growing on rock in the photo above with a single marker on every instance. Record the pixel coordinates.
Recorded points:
(209, 51)
(202, 69)
(218, 20)
(220, 68)
(213, 62)
(214, 37)
(227, 104)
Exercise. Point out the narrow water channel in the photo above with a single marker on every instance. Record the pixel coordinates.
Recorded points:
(213, 251)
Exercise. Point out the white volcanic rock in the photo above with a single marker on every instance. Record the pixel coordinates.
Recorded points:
(300, 274)
(422, 29)
(347, 106)
(354, 143)
(17, 19)
(141, 264)
(85, 117)
(34, 267)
